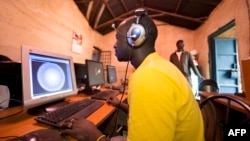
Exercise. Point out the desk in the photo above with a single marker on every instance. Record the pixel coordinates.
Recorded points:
(24, 123)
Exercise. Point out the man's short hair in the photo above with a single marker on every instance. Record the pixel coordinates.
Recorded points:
(179, 41)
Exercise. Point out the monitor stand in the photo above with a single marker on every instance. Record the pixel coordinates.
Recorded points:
(47, 108)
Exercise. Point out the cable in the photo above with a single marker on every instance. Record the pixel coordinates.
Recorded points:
(14, 138)
(124, 86)
(13, 114)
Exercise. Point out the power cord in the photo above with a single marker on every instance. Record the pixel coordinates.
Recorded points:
(2, 110)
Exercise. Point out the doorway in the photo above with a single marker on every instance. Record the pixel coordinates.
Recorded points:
(224, 63)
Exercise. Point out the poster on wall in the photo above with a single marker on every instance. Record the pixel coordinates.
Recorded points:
(77, 43)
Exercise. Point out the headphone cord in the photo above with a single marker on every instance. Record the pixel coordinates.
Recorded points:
(123, 92)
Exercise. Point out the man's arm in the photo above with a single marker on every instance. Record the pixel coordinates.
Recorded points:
(192, 65)
(117, 103)
(124, 107)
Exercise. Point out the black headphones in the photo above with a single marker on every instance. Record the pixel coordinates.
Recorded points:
(136, 34)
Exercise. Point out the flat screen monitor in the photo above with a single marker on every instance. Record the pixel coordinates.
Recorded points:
(80, 73)
(47, 77)
(95, 75)
(111, 74)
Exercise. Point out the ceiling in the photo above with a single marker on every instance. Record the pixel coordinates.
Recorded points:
(190, 14)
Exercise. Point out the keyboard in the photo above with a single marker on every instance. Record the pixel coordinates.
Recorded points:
(117, 87)
(104, 94)
(81, 109)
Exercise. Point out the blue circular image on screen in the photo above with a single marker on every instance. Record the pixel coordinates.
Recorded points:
(51, 77)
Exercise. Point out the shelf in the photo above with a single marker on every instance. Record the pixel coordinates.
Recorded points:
(227, 54)
(227, 69)
(227, 85)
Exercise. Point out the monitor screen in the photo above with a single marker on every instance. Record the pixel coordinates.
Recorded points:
(95, 74)
(47, 77)
(111, 74)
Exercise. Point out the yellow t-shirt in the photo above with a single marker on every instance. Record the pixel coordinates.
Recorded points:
(161, 104)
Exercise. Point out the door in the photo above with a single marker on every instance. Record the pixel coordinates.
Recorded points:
(227, 66)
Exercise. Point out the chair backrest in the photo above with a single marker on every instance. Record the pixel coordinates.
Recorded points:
(209, 82)
(221, 113)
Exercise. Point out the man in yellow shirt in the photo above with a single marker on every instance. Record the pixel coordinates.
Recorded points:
(161, 105)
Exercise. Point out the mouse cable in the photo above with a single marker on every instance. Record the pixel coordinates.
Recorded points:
(10, 138)
(124, 86)
(13, 114)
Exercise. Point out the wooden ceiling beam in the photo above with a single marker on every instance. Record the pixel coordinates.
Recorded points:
(124, 5)
(82, 1)
(109, 9)
(142, 3)
(176, 15)
(100, 12)
(94, 11)
(178, 6)
(89, 9)
(119, 18)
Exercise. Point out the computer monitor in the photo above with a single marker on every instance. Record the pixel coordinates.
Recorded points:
(95, 75)
(112, 78)
(47, 77)
(81, 74)
(111, 74)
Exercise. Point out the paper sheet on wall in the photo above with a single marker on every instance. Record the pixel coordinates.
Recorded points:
(77, 43)
(76, 47)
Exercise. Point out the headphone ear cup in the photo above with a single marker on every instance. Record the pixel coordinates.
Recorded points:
(136, 35)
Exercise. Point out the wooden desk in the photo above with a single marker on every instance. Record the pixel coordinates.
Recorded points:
(24, 123)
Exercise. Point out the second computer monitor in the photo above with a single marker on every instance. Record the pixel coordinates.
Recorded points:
(95, 74)
(111, 74)
(81, 74)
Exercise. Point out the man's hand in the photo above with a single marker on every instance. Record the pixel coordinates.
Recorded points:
(202, 78)
(113, 100)
(82, 130)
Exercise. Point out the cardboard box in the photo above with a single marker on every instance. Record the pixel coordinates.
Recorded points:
(245, 69)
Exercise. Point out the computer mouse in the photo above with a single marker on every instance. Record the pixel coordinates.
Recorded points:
(44, 135)
(31, 138)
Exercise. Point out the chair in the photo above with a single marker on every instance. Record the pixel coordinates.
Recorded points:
(209, 82)
(206, 83)
(221, 113)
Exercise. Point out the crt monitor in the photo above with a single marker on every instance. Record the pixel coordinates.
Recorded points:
(47, 77)
(95, 75)
(111, 74)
